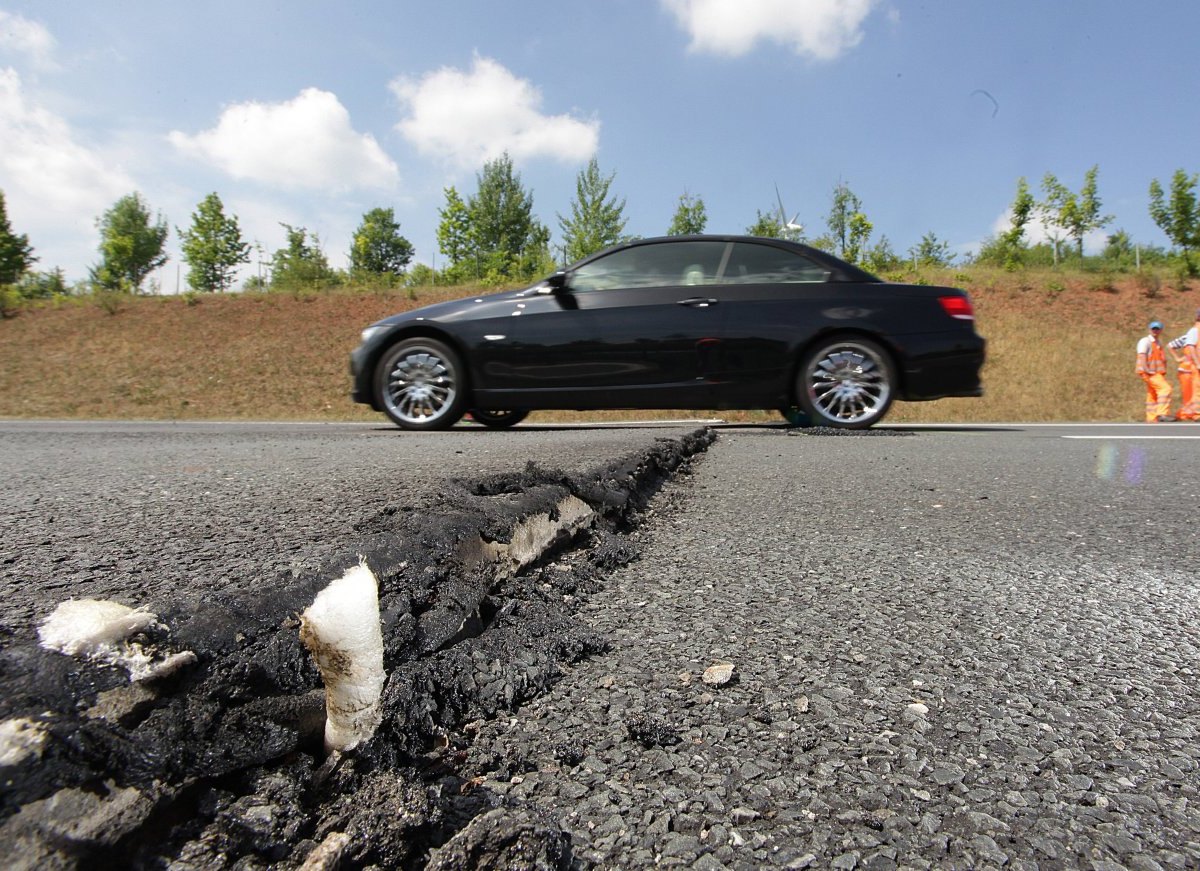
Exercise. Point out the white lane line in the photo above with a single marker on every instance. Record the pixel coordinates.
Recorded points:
(1142, 437)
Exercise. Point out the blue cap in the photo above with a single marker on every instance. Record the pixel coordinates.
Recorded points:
(1156, 325)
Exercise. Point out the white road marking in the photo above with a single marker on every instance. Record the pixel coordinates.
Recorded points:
(1142, 437)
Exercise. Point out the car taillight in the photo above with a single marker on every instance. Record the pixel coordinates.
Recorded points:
(958, 307)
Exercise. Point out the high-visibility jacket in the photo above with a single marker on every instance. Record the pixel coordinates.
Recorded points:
(1156, 358)
(1185, 362)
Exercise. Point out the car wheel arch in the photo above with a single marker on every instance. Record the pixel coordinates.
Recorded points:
(421, 331)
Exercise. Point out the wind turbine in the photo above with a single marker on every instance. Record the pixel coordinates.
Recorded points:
(791, 229)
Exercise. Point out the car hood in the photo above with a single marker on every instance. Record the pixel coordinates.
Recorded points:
(458, 309)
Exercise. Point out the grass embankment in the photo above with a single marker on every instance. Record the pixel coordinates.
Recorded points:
(1060, 347)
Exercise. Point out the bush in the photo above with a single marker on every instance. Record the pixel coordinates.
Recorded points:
(42, 285)
(11, 301)
(1103, 283)
(1149, 283)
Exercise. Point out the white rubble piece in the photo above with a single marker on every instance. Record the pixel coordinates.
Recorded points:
(100, 630)
(92, 627)
(719, 674)
(20, 738)
(342, 631)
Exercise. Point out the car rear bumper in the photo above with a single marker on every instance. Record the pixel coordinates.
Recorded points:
(934, 371)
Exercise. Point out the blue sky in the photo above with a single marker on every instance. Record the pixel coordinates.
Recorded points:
(311, 113)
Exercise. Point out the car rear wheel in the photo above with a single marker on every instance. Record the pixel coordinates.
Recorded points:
(498, 419)
(847, 383)
(420, 384)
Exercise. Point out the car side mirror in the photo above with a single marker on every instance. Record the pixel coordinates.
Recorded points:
(555, 283)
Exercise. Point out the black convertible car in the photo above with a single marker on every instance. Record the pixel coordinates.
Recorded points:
(685, 322)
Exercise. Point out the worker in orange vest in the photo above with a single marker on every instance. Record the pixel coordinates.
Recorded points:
(1187, 356)
(1186, 369)
(1152, 367)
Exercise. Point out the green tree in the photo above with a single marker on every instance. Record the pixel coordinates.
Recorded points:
(378, 249)
(421, 275)
(858, 234)
(213, 247)
(508, 241)
(597, 220)
(493, 236)
(767, 226)
(302, 262)
(931, 251)
(454, 232)
(880, 257)
(1074, 214)
(1179, 217)
(845, 205)
(690, 216)
(16, 254)
(1009, 248)
(131, 245)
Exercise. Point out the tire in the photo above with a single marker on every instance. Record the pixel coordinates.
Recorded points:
(421, 384)
(498, 419)
(847, 383)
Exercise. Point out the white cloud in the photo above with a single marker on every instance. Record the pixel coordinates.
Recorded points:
(21, 36)
(818, 29)
(307, 142)
(471, 117)
(54, 187)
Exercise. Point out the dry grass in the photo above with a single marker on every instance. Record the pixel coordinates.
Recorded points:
(1060, 347)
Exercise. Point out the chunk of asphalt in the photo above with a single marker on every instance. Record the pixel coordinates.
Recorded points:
(219, 763)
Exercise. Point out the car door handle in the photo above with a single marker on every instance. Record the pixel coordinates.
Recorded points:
(698, 302)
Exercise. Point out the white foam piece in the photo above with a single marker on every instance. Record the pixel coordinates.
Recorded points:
(342, 631)
(86, 627)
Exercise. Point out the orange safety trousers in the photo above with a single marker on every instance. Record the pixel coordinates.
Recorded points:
(1189, 402)
(1158, 396)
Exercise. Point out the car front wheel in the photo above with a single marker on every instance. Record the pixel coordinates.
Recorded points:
(847, 383)
(420, 384)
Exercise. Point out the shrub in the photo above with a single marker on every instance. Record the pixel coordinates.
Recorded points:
(1103, 283)
(1149, 284)
(11, 301)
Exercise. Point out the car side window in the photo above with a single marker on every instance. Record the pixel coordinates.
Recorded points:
(764, 264)
(664, 264)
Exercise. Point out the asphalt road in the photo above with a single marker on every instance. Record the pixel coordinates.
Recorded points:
(952, 647)
(959, 648)
(142, 512)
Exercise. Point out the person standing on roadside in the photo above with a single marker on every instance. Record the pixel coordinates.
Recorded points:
(1185, 368)
(1152, 368)
(1187, 355)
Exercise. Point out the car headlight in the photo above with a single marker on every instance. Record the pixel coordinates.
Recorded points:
(373, 330)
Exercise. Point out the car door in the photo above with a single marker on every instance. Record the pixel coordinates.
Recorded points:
(630, 328)
(772, 299)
